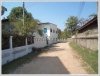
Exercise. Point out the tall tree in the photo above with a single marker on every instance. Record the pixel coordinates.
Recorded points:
(16, 19)
(59, 33)
(71, 24)
(66, 33)
(3, 9)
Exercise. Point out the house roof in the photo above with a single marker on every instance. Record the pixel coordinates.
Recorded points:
(43, 23)
(88, 23)
(46, 23)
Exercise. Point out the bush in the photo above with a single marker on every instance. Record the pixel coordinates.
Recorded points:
(18, 40)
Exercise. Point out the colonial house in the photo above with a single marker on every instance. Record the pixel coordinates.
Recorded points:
(87, 35)
(49, 31)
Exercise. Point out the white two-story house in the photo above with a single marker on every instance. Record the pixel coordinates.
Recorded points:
(49, 31)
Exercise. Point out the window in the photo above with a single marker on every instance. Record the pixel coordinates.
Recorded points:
(45, 30)
(50, 30)
(53, 31)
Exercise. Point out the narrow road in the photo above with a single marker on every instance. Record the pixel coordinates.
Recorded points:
(59, 59)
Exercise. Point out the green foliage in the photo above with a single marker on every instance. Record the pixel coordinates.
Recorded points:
(89, 56)
(71, 23)
(16, 19)
(67, 33)
(63, 34)
(59, 33)
(40, 32)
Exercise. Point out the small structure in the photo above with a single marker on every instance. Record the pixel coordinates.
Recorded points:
(49, 31)
(87, 35)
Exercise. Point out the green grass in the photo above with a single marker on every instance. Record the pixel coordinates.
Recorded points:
(89, 56)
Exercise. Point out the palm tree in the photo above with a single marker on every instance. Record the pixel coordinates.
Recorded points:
(3, 9)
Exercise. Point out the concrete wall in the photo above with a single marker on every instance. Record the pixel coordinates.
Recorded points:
(91, 43)
(14, 53)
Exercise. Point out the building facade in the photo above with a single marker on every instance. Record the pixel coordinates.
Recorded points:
(50, 31)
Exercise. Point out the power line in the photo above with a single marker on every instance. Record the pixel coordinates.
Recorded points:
(81, 9)
(23, 12)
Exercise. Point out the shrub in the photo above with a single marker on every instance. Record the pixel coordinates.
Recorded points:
(18, 40)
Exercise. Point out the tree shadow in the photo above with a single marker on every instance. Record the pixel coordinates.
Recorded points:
(52, 48)
(43, 65)
(7, 68)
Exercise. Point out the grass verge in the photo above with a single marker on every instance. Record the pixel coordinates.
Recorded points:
(89, 56)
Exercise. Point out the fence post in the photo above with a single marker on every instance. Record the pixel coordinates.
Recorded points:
(26, 41)
(10, 41)
(26, 45)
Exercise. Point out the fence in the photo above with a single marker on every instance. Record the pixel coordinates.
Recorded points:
(87, 42)
(14, 52)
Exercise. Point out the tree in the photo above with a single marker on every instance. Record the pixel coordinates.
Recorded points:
(16, 19)
(3, 9)
(92, 16)
(40, 32)
(59, 33)
(67, 33)
(63, 34)
(38, 21)
(71, 24)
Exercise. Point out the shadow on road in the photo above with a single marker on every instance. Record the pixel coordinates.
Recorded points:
(52, 48)
(43, 65)
(39, 65)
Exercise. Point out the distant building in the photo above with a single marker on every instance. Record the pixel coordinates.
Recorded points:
(49, 31)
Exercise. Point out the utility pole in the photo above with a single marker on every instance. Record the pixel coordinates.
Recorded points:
(23, 13)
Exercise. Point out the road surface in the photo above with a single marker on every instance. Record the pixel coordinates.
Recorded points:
(58, 59)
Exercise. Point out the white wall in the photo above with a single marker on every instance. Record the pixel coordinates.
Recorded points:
(14, 53)
(50, 35)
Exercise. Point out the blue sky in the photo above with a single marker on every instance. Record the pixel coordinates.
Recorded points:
(54, 12)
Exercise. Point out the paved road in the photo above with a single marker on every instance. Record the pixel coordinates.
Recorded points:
(59, 59)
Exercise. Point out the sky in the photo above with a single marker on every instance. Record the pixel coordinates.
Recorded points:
(55, 12)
